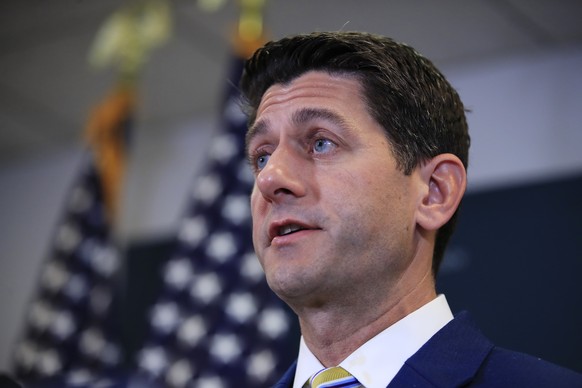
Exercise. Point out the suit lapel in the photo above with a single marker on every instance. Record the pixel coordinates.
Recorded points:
(287, 379)
(451, 358)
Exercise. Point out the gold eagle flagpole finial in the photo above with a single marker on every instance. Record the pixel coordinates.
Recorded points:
(250, 33)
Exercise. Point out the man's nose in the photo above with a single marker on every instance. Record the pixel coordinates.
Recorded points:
(281, 177)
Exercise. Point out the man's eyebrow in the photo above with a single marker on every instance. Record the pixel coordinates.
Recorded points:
(259, 127)
(306, 115)
(299, 118)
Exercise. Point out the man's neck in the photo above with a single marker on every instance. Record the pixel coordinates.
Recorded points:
(332, 334)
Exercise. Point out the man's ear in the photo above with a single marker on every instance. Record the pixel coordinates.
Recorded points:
(444, 180)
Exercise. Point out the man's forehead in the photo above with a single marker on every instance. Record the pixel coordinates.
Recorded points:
(313, 84)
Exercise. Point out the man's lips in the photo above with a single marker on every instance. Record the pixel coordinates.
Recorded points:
(287, 227)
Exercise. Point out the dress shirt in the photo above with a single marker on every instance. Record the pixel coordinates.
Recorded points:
(377, 361)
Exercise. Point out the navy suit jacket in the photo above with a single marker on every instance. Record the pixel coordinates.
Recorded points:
(458, 355)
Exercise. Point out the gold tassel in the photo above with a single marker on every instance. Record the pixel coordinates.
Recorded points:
(105, 135)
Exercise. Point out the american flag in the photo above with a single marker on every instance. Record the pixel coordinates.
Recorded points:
(217, 324)
(70, 330)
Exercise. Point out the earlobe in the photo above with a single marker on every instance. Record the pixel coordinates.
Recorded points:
(444, 181)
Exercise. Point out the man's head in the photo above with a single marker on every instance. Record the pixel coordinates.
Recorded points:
(421, 114)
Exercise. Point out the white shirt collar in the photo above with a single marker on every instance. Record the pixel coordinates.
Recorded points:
(376, 362)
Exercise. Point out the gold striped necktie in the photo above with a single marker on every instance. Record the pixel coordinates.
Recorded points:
(335, 377)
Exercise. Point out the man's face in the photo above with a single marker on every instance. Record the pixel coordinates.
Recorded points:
(332, 214)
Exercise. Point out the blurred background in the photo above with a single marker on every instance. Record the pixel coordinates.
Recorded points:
(517, 64)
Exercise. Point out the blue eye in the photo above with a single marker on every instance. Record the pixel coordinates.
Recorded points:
(261, 161)
(322, 145)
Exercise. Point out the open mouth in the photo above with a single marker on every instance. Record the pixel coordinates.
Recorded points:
(288, 229)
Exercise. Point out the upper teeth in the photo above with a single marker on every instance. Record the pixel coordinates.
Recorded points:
(288, 229)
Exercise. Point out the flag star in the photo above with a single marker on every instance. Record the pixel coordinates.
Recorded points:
(105, 260)
(225, 347)
(87, 250)
(153, 360)
(100, 300)
(49, 362)
(41, 315)
(178, 273)
(251, 268)
(207, 188)
(81, 199)
(165, 317)
(63, 325)
(221, 246)
(273, 322)
(241, 307)
(76, 288)
(26, 354)
(193, 230)
(261, 365)
(79, 377)
(92, 342)
(236, 208)
(111, 354)
(206, 287)
(192, 330)
(209, 382)
(223, 148)
(68, 237)
(54, 277)
(180, 373)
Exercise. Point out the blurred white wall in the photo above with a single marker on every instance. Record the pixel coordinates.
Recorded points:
(525, 125)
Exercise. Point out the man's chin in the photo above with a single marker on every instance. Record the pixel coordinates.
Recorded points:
(287, 287)
(296, 292)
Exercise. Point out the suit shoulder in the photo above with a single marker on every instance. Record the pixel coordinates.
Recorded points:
(506, 368)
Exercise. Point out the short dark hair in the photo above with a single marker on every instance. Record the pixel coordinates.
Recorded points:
(420, 111)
